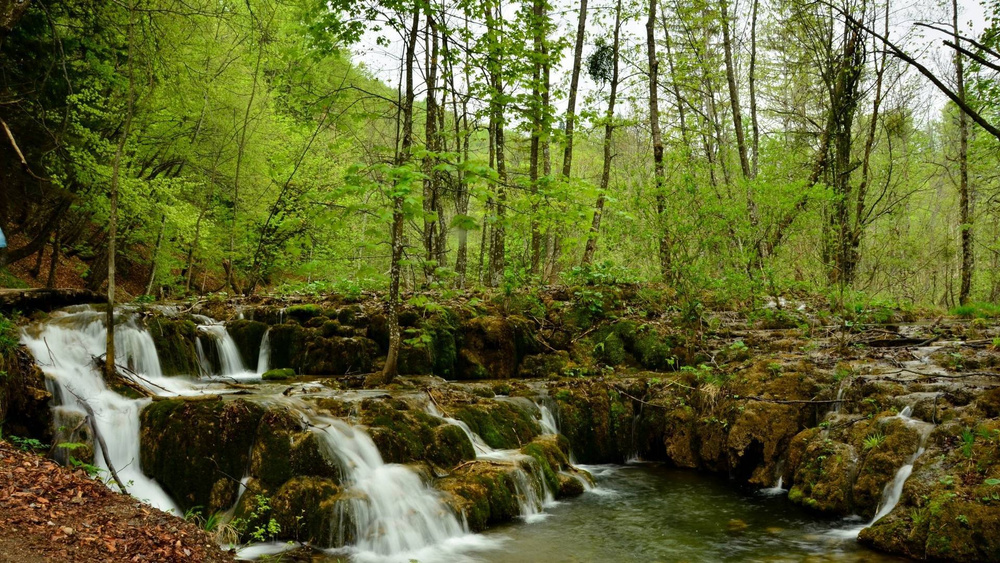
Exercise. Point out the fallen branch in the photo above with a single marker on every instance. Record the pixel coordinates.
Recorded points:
(100, 441)
(802, 402)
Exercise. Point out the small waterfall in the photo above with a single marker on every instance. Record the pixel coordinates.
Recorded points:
(776, 490)
(393, 512)
(894, 490)
(547, 421)
(264, 356)
(532, 491)
(65, 347)
(229, 354)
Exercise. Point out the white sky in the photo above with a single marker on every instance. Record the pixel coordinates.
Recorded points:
(384, 61)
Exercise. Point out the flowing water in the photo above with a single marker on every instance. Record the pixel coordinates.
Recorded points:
(635, 513)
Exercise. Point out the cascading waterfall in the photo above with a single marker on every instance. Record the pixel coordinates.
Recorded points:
(65, 348)
(264, 356)
(529, 483)
(546, 420)
(894, 490)
(229, 353)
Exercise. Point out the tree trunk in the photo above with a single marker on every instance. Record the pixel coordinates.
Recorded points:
(539, 122)
(734, 96)
(54, 258)
(654, 125)
(431, 187)
(156, 255)
(595, 226)
(391, 367)
(755, 162)
(968, 252)
(498, 232)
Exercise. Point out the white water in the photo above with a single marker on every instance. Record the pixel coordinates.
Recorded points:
(893, 490)
(547, 421)
(229, 353)
(264, 356)
(65, 348)
(776, 490)
(532, 491)
(389, 512)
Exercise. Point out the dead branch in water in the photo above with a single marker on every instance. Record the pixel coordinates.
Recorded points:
(100, 441)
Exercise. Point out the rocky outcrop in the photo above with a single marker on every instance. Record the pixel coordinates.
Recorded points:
(42, 299)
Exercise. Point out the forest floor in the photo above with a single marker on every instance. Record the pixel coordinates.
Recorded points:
(51, 513)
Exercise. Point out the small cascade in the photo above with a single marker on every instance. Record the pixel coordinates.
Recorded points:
(264, 356)
(532, 490)
(546, 420)
(65, 348)
(894, 489)
(391, 512)
(845, 383)
(776, 490)
(229, 354)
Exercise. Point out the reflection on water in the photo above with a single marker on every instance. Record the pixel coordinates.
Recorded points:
(647, 513)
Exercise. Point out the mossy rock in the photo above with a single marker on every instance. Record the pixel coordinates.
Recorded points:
(450, 447)
(487, 349)
(501, 424)
(879, 465)
(484, 492)
(551, 454)
(569, 486)
(269, 459)
(188, 446)
(247, 335)
(401, 434)
(597, 420)
(825, 476)
(304, 312)
(305, 509)
(278, 374)
(174, 340)
(308, 352)
(544, 365)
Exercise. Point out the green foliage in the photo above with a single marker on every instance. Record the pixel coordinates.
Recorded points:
(10, 336)
(968, 442)
(977, 311)
(27, 444)
(873, 441)
(260, 511)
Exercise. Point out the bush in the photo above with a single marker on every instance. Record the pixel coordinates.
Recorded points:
(10, 336)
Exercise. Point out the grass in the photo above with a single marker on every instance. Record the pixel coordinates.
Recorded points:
(874, 440)
(977, 311)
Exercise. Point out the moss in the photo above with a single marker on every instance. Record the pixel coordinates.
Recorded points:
(247, 335)
(174, 340)
(550, 452)
(401, 434)
(307, 352)
(188, 446)
(278, 374)
(304, 508)
(597, 421)
(24, 400)
(569, 486)
(488, 348)
(304, 312)
(269, 460)
(450, 446)
(484, 492)
(544, 365)
(500, 424)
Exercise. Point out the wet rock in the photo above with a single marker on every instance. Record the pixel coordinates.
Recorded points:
(278, 374)
(188, 446)
(305, 510)
(492, 347)
(247, 335)
(174, 340)
(484, 491)
(597, 420)
(24, 400)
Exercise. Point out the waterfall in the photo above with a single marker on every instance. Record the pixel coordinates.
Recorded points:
(532, 490)
(229, 354)
(894, 489)
(264, 356)
(65, 347)
(388, 511)
(776, 490)
(547, 421)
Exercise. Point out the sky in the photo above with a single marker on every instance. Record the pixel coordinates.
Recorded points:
(384, 61)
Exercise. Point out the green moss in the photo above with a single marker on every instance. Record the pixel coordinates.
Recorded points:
(174, 340)
(449, 447)
(247, 335)
(278, 374)
(188, 446)
(304, 508)
(500, 424)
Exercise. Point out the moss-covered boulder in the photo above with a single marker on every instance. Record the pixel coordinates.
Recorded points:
(597, 419)
(279, 374)
(24, 399)
(308, 352)
(305, 510)
(190, 447)
(247, 335)
(824, 477)
(491, 347)
(174, 340)
(501, 424)
(551, 452)
(485, 492)
(404, 434)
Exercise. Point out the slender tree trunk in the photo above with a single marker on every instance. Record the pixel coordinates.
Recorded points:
(734, 95)
(498, 232)
(431, 187)
(156, 255)
(654, 125)
(109, 358)
(539, 123)
(54, 258)
(391, 367)
(968, 252)
(609, 128)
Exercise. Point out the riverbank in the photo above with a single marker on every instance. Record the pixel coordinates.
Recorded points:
(51, 513)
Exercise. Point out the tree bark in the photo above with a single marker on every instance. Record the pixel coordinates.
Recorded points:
(156, 255)
(391, 368)
(609, 128)
(968, 252)
(654, 125)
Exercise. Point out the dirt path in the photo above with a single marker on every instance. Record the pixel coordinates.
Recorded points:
(49, 513)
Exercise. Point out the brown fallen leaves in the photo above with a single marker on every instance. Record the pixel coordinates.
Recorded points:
(50, 513)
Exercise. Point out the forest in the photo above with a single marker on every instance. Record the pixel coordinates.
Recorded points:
(726, 149)
(454, 281)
